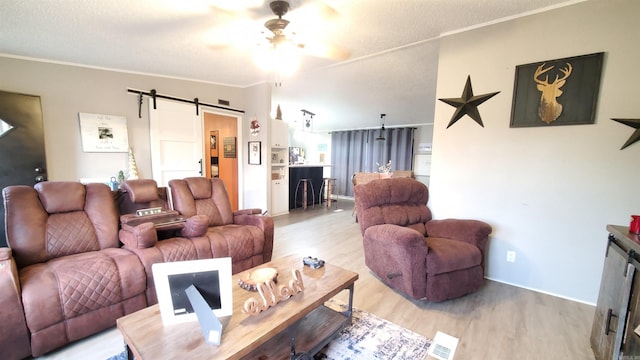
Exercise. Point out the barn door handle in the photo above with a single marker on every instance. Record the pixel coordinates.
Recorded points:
(200, 165)
(607, 324)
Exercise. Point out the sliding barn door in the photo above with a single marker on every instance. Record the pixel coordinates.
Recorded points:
(176, 141)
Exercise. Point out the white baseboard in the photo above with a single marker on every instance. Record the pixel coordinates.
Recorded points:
(541, 291)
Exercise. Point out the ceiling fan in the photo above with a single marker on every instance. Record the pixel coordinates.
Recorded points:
(277, 35)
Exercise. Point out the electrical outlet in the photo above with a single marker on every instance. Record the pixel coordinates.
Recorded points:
(511, 256)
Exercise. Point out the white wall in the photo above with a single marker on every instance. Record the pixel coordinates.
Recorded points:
(256, 178)
(548, 192)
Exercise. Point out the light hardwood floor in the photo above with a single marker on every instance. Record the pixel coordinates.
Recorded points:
(499, 322)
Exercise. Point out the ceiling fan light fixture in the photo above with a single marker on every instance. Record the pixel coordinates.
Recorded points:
(284, 58)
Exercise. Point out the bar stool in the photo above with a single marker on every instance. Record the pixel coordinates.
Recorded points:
(306, 184)
(330, 184)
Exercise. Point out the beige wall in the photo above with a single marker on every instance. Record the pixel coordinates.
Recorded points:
(548, 192)
(67, 90)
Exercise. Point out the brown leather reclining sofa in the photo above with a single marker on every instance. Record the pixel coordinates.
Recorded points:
(79, 257)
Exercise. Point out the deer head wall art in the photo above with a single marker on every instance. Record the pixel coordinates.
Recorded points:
(557, 92)
(550, 109)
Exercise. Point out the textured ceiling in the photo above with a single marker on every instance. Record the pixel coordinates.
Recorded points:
(197, 39)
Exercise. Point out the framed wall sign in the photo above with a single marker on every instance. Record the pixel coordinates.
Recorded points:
(255, 153)
(103, 133)
(229, 144)
(557, 92)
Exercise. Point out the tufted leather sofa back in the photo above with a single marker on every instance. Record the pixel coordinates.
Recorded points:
(202, 196)
(140, 194)
(59, 218)
(399, 201)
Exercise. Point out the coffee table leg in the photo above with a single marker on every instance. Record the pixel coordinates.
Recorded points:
(293, 332)
(350, 308)
(129, 352)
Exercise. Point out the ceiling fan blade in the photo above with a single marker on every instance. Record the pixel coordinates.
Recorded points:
(220, 47)
(241, 33)
(327, 51)
(328, 12)
(237, 7)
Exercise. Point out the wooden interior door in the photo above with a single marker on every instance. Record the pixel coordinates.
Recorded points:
(225, 128)
(21, 144)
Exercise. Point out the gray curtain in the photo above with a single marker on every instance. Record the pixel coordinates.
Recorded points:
(361, 151)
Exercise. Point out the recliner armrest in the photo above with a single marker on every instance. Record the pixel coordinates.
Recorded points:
(392, 234)
(247, 212)
(140, 236)
(265, 224)
(195, 226)
(398, 255)
(14, 336)
(471, 231)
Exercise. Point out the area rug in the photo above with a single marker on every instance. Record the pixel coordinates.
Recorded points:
(367, 338)
(371, 337)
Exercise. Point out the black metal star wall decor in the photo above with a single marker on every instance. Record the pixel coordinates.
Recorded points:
(467, 104)
(634, 123)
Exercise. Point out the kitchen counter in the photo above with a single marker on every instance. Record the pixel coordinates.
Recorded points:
(312, 172)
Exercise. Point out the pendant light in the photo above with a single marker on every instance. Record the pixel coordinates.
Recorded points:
(381, 137)
(307, 123)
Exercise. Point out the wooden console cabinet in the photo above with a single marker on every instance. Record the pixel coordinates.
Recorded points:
(618, 310)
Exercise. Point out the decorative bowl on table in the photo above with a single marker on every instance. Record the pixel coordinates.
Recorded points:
(251, 280)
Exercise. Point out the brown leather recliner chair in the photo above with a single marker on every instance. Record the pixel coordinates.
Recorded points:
(427, 259)
(160, 237)
(243, 235)
(74, 279)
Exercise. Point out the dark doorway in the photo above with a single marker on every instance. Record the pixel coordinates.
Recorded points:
(21, 144)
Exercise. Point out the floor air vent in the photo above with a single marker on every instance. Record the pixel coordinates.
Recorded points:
(443, 346)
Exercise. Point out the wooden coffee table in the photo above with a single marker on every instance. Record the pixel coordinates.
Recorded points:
(301, 324)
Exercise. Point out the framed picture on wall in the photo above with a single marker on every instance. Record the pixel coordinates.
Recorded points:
(557, 92)
(103, 133)
(255, 153)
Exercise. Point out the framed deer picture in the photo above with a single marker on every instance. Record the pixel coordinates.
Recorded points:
(557, 92)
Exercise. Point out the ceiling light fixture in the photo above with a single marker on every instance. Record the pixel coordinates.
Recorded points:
(283, 59)
(307, 117)
(381, 137)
